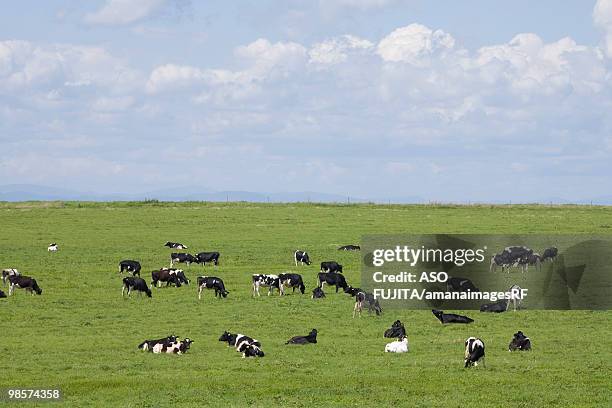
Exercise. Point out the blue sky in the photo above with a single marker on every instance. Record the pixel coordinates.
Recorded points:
(446, 100)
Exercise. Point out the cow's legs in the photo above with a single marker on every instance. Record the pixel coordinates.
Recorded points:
(200, 292)
(11, 289)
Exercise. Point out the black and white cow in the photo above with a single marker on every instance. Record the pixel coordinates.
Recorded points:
(9, 272)
(181, 257)
(533, 259)
(234, 339)
(397, 330)
(496, 307)
(204, 257)
(270, 281)
(349, 248)
(301, 257)
(331, 266)
(450, 317)
(148, 345)
(291, 280)
(519, 342)
(460, 285)
(130, 266)
(474, 352)
(250, 350)
(317, 293)
(515, 297)
(310, 338)
(332, 279)
(176, 347)
(170, 276)
(133, 283)
(510, 257)
(175, 245)
(211, 282)
(23, 282)
(373, 304)
(52, 247)
(550, 254)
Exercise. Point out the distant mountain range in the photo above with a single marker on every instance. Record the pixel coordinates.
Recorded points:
(30, 192)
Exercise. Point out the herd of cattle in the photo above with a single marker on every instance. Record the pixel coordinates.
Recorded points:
(331, 273)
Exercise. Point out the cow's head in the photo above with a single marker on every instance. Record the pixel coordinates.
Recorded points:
(226, 336)
(180, 276)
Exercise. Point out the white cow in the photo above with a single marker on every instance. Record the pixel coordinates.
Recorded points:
(398, 346)
(52, 247)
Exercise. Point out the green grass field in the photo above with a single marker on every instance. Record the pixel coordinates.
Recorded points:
(81, 335)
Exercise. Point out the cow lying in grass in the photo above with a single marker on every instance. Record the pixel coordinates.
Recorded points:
(317, 293)
(310, 338)
(474, 352)
(497, 307)
(397, 330)
(176, 347)
(450, 317)
(519, 342)
(147, 345)
(398, 346)
(248, 346)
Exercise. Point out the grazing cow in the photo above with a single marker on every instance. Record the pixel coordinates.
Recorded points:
(474, 352)
(176, 276)
(310, 338)
(204, 257)
(52, 247)
(519, 342)
(234, 339)
(271, 281)
(550, 254)
(176, 347)
(9, 272)
(130, 266)
(301, 257)
(373, 304)
(332, 279)
(397, 330)
(497, 307)
(510, 257)
(515, 297)
(359, 299)
(317, 293)
(460, 285)
(349, 248)
(148, 345)
(211, 282)
(533, 259)
(133, 283)
(291, 280)
(2, 294)
(331, 266)
(175, 245)
(181, 257)
(23, 282)
(398, 346)
(450, 317)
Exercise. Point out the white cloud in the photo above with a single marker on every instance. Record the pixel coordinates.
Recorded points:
(602, 17)
(337, 50)
(116, 12)
(414, 44)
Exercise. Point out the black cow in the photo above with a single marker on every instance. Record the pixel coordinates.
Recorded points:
(175, 245)
(533, 259)
(271, 281)
(291, 280)
(373, 304)
(9, 272)
(397, 330)
(181, 257)
(317, 293)
(133, 283)
(301, 257)
(332, 279)
(148, 345)
(175, 276)
(497, 307)
(204, 257)
(460, 285)
(331, 266)
(310, 338)
(450, 317)
(23, 282)
(130, 266)
(519, 342)
(474, 352)
(349, 248)
(211, 282)
(550, 254)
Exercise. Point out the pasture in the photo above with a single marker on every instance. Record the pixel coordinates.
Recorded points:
(82, 336)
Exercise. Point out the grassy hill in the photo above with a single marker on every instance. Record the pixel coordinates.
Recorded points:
(81, 335)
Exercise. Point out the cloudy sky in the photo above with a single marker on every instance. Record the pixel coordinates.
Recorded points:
(471, 101)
